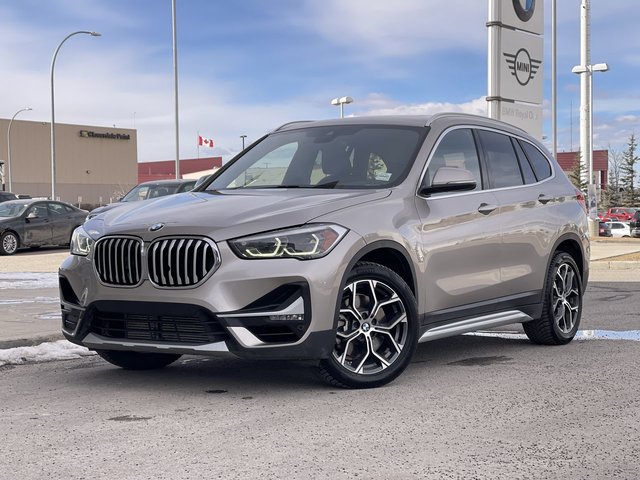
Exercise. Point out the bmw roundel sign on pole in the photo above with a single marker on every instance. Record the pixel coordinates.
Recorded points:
(516, 63)
(525, 15)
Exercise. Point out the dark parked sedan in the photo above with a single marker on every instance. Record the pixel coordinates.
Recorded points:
(33, 223)
(6, 196)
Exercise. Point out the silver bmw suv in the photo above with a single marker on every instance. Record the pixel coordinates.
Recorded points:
(347, 241)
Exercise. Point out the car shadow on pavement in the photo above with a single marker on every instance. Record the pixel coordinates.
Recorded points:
(219, 375)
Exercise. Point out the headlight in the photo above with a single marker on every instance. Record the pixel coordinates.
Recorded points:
(81, 242)
(303, 243)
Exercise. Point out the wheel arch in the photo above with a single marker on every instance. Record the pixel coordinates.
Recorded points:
(391, 255)
(571, 244)
(387, 253)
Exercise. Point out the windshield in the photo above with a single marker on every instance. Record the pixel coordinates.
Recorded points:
(144, 192)
(346, 156)
(12, 209)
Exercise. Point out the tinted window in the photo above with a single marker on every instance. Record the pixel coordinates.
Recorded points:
(502, 163)
(538, 161)
(39, 209)
(456, 149)
(525, 166)
(57, 209)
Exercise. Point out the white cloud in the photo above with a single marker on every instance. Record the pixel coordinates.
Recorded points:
(381, 105)
(398, 28)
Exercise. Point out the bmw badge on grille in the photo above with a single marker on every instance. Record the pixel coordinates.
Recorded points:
(156, 226)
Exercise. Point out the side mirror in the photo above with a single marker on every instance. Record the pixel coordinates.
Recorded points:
(449, 179)
(32, 215)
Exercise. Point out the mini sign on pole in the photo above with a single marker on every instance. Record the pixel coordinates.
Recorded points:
(515, 63)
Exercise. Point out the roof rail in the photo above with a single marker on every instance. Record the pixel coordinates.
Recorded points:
(291, 123)
(467, 115)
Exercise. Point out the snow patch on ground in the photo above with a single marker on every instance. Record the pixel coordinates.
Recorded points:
(20, 301)
(45, 352)
(22, 280)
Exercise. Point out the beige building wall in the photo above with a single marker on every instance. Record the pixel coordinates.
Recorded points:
(87, 167)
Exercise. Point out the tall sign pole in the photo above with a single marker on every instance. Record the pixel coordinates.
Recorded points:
(515, 61)
(175, 85)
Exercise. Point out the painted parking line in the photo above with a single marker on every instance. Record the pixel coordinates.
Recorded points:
(629, 335)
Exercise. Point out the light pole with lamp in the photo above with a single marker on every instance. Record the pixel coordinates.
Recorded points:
(588, 70)
(53, 117)
(10, 173)
(243, 137)
(341, 101)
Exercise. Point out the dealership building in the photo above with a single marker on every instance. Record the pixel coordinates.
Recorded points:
(93, 164)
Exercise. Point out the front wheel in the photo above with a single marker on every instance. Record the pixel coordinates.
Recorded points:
(377, 330)
(562, 305)
(9, 243)
(138, 360)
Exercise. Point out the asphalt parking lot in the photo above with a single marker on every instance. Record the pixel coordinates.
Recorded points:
(467, 407)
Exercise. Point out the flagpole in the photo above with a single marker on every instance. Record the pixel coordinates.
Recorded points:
(198, 145)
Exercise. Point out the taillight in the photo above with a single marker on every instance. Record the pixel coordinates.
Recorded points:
(581, 199)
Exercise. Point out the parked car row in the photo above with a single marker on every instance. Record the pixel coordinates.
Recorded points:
(32, 223)
(148, 191)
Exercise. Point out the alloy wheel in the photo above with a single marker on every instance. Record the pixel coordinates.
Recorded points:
(372, 327)
(9, 243)
(565, 297)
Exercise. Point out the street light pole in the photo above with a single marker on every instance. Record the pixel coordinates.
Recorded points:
(10, 174)
(341, 101)
(243, 137)
(53, 115)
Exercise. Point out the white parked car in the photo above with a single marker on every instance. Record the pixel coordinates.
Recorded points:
(620, 229)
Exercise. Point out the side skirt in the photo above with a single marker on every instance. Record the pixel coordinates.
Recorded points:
(473, 324)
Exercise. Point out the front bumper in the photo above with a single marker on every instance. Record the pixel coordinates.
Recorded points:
(281, 308)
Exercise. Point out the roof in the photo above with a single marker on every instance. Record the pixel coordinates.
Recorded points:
(402, 120)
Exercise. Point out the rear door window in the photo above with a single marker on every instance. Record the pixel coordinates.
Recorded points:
(502, 164)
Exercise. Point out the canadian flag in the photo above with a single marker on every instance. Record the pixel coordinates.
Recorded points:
(207, 142)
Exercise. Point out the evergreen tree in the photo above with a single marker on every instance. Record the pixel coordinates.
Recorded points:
(579, 174)
(630, 195)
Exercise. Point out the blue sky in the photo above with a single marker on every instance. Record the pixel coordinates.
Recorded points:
(246, 67)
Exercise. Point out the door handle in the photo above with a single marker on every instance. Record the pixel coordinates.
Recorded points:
(486, 209)
(544, 199)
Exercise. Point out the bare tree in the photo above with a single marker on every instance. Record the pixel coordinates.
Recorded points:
(628, 173)
(611, 196)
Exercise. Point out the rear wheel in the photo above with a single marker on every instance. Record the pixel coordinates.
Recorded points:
(138, 360)
(9, 243)
(562, 307)
(377, 329)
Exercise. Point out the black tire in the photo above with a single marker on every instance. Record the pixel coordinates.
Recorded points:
(9, 243)
(366, 342)
(138, 360)
(561, 311)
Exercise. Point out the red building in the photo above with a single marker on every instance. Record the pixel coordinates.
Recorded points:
(567, 161)
(166, 169)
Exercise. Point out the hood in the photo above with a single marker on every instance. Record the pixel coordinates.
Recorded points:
(228, 214)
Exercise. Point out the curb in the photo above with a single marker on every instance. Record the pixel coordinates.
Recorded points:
(613, 265)
(30, 341)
